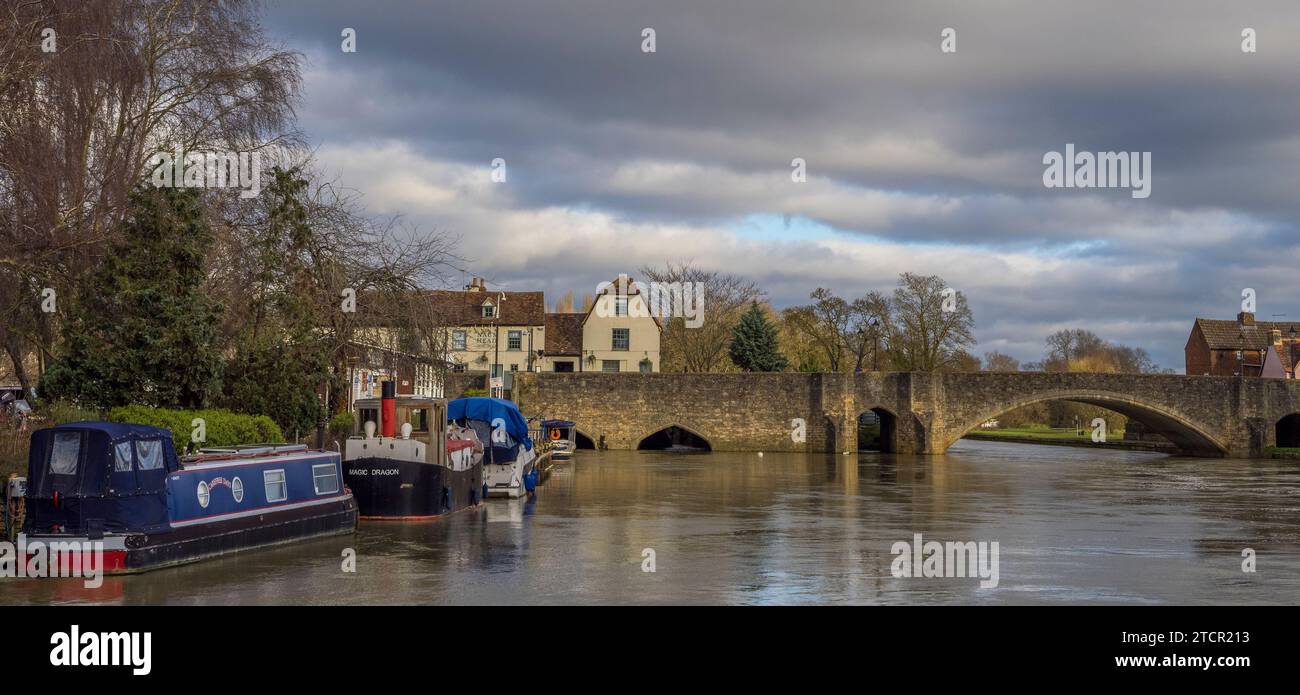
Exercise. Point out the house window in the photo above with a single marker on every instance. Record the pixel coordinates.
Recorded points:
(489, 311)
(622, 338)
(66, 453)
(515, 340)
(609, 365)
(276, 489)
(458, 341)
(326, 478)
(620, 305)
(148, 455)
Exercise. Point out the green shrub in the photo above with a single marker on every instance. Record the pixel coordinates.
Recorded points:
(224, 428)
(341, 425)
(472, 393)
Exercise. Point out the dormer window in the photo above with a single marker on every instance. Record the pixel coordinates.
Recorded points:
(489, 311)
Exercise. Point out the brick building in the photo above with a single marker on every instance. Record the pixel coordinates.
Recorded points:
(1244, 347)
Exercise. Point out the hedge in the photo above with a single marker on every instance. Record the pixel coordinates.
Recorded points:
(224, 428)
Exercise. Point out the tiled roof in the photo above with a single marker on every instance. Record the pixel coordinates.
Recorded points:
(564, 334)
(1226, 334)
(465, 308)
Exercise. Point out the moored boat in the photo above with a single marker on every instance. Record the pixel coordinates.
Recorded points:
(407, 463)
(509, 459)
(122, 486)
(563, 438)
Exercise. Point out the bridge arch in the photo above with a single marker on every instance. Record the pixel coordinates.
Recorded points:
(674, 434)
(1190, 437)
(1287, 430)
(885, 426)
(582, 440)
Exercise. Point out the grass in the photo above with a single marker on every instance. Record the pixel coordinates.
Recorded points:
(1055, 434)
(1282, 452)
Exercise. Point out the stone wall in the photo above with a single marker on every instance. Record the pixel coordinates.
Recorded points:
(455, 383)
(1208, 416)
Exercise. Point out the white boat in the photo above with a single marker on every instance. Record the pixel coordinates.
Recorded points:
(509, 458)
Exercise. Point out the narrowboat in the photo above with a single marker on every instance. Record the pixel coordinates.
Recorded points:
(123, 485)
(563, 438)
(407, 463)
(510, 464)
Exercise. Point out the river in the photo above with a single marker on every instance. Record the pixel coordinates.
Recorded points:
(1073, 525)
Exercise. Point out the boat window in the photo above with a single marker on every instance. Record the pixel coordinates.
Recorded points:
(149, 454)
(66, 453)
(369, 415)
(204, 494)
(420, 420)
(122, 458)
(237, 489)
(326, 478)
(276, 489)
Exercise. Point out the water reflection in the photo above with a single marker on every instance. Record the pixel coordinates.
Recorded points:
(1073, 525)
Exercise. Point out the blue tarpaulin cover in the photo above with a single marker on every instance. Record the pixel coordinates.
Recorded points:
(558, 423)
(488, 410)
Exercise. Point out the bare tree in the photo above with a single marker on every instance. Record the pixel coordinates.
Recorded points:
(702, 348)
(995, 361)
(78, 125)
(932, 324)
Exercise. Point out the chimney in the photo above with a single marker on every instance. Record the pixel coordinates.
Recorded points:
(1277, 336)
(475, 284)
(1246, 318)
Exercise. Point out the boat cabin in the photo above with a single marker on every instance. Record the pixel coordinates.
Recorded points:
(96, 477)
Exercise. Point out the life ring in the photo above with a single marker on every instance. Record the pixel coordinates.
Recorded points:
(555, 435)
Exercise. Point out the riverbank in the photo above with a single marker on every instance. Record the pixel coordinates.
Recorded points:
(1283, 452)
(1066, 437)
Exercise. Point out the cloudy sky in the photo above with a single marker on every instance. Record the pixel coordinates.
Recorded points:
(917, 160)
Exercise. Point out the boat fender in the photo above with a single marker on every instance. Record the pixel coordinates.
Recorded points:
(555, 435)
(485, 490)
(446, 498)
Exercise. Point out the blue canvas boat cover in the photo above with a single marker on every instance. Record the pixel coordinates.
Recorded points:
(557, 423)
(489, 410)
(110, 473)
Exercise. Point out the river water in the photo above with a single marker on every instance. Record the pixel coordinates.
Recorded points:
(1073, 525)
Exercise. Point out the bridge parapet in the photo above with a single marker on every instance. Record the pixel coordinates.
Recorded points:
(1208, 416)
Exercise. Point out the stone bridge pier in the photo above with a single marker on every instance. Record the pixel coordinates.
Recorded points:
(922, 413)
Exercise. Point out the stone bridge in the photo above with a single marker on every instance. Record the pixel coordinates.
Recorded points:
(920, 412)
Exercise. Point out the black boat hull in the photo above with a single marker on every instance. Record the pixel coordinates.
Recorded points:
(391, 489)
(134, 553)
